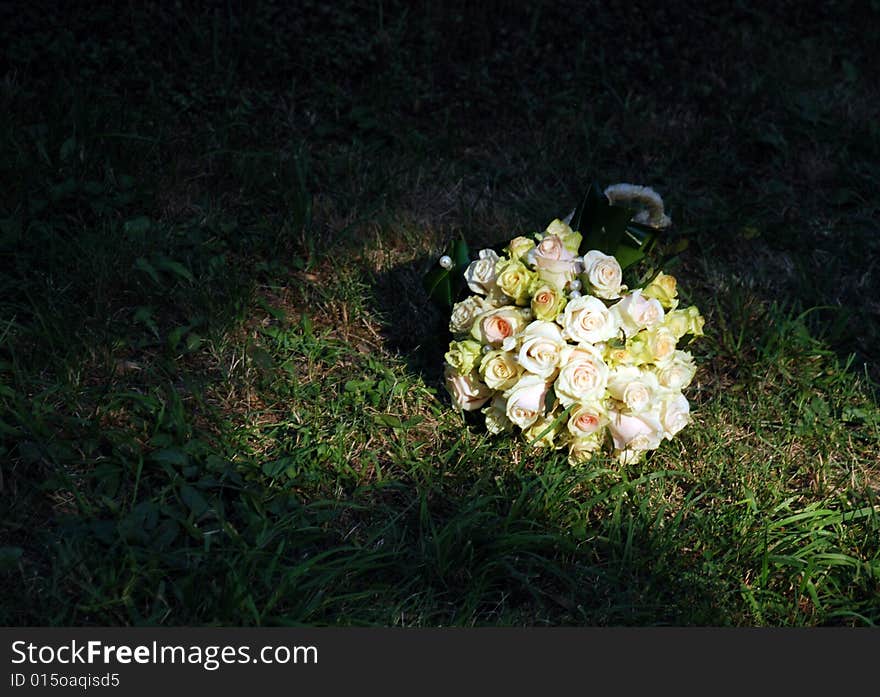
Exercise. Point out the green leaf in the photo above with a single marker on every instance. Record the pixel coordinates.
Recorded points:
(175, 267)
(142, 264)
(137, 227)
(68, 148)
(444, 286)
(193, 500)
(9, 557)
(170, 456)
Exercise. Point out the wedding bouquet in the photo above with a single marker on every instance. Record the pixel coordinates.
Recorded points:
(549, 341)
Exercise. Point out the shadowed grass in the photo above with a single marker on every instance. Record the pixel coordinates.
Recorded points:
(220, 396)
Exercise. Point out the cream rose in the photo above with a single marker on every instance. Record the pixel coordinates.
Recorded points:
(582, 377)
(464, 313)
(588, 321)
(495, 326)
(480, 274)
(525, 400)
(541, 347)
(467, 392)
(634, 387)
(499, 370)
(635, 312)
(675, 414)
(603, 275)
(677, 372)
(660, 343)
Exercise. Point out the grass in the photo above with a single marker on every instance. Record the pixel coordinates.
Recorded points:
(220, 393)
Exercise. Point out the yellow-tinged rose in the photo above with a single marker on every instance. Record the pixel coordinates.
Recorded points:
(499, 370)
(653, 345)
(514, 279)
(686, 321)
(519, 247)
(547, 301)
(463, 355)
(545, 433)
(663, 288)
(496, 417)
(581, 450)
(571, 239)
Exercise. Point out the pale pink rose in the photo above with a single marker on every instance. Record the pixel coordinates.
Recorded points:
(634, 387)
(635, 432)
(586, 419)
(467, 392)
(525, 400)
(555, 264)
(635, 312)
(495, 326)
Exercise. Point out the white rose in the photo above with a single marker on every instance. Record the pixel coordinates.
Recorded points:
(582, 377)
(634, 387)
(525, 400)
(480, 274)
(541, 347)
(635, 312)
(588, 321)
(603, 274)
(635, 432)
(467, 392)
(677, 372)
(675, 414)
(464, 313)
